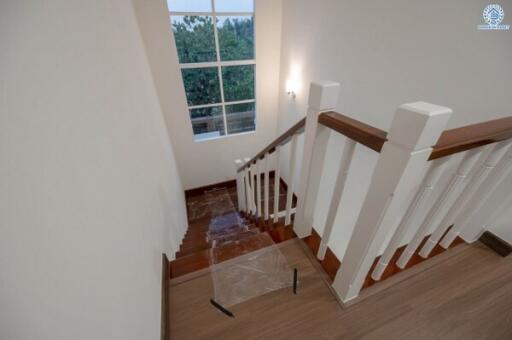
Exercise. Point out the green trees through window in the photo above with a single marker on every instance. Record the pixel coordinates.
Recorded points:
(236, 37)
(194, 38)
(218, 69)
(201, 85)
(238, 82)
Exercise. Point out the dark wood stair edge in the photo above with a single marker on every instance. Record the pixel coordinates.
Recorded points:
(495, 243)
(330, 264)
(200, 259)
(165, 322)
(174, 281)
(191, 251)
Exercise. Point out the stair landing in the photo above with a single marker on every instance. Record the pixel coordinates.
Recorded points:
(468, 296)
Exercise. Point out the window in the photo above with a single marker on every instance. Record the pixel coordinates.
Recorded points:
(215, 43)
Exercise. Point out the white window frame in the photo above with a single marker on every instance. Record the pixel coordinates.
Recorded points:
(219, 64)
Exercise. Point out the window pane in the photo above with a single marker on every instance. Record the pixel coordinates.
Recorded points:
(240, 118)
(234, 6)
(207, 122)
(238, 82)
(194, 38)
(189, 6)
(202, 85)
(236, 37)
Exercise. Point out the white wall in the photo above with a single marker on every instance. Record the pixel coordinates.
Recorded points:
(89, 191)
(212, 161)
(384, 54)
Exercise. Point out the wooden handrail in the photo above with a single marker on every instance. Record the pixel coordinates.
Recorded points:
(357, 131)
(472, 136)
(451, 141)
(278, 141)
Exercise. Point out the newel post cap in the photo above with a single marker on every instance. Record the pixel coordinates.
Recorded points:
(418, 125)
(323, 95)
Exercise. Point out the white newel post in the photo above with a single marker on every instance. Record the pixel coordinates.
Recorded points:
(415, 128)
(323, 96)
(240, 185)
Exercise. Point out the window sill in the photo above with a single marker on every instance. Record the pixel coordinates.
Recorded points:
(209, 139)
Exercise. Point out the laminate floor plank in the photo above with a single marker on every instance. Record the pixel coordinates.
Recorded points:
(468, 296)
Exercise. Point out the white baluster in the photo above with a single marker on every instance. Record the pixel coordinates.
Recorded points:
(266, 186)
(258, 188)
(467, 163)
(277, 175)
(240, 186)
(502, 171)
(253, 188)
(462, 171)
(323, 96)
(424, 191)
(346, 159)
(415, 128)
(497, 153)
(248, 191)
(291, 181)
(316, 172)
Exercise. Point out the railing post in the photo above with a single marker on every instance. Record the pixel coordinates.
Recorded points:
(251, 186)
(415, 128)
(277, 176)
(266, 191)
(431, 179)
(496, 155)
(291, 181)
(323, 96)
(488, 188)
(258, 188)
(323, 134)
(445, 196)
(247, 180)
(339, 185)
(240, 186)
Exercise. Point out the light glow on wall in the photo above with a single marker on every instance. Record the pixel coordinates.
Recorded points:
(293, 83)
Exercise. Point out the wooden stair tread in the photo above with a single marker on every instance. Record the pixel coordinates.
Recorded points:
(190, 251)
(195, 247)
(202, 259)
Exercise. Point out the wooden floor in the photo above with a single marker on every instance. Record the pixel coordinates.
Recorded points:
(469, 296)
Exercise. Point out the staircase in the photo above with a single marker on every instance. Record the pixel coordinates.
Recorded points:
(216, 223)
(401, 222)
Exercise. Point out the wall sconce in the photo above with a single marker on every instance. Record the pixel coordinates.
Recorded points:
(292, 87)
